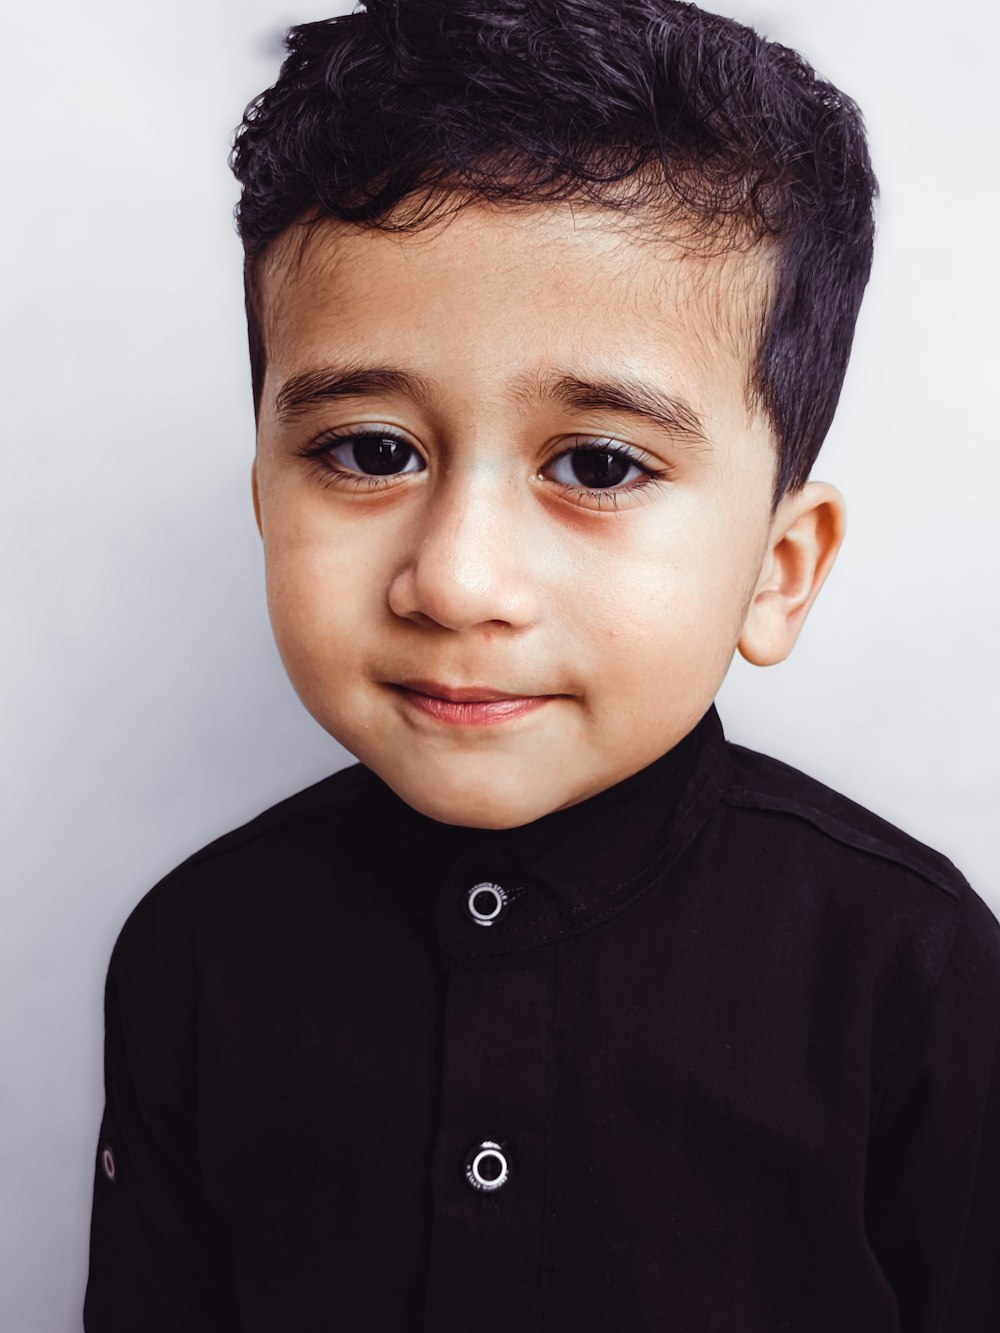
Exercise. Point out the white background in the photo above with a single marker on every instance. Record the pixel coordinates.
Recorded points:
(146, 710)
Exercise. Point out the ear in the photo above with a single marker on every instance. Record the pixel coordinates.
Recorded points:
(806, 533)
(256, 496)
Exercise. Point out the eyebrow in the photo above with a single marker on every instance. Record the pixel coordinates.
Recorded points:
(303, 392)
(625, 395)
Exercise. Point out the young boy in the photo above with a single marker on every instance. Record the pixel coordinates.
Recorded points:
(556, 1011)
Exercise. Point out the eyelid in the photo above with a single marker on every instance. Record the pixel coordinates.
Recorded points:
(652, 473)
(344, 434)
(324, 444)
(648, 463)
(321, 453)
(610, 444)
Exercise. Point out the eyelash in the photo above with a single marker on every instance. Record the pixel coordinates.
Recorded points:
(319, 452)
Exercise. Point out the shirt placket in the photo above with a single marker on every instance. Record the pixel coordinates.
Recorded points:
(490, 1160)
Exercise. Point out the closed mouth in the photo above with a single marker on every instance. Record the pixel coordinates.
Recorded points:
(467, 705)
(462, 694)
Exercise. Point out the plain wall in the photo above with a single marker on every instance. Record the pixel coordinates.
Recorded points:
(145, 707)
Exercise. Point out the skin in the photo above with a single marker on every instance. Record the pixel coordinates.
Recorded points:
(605, 614)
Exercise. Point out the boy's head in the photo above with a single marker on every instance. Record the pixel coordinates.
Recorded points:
(550, 303)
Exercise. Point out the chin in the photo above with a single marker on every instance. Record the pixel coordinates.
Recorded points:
(481, 806)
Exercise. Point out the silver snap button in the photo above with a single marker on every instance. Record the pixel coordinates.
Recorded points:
(486, 903)
(486, 1167)
(108, 1163)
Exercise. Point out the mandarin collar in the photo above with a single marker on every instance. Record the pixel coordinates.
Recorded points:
(574, 867)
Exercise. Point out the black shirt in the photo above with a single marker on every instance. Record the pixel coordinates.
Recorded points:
(718, 1052)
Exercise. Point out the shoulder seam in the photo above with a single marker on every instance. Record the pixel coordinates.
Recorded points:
(747, 798)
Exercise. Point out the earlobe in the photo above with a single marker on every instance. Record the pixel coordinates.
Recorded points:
(806, 534)
(256, 496)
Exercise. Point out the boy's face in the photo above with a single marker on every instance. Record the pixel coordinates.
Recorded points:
(517, 590)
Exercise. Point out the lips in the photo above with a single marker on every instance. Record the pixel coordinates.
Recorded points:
(463, 694)
(467, 705)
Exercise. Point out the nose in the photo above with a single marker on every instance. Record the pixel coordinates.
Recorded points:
(468, 562)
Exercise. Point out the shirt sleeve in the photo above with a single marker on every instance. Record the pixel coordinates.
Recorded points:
(933, 1197)
(159, 1261)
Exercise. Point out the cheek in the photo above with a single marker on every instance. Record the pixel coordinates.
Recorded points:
(316, 587)
(659, 581)
(671, 612)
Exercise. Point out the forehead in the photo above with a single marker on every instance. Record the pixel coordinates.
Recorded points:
(497, 294)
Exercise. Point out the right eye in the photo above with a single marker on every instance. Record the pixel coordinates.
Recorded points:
(362, 459)
(370, 454)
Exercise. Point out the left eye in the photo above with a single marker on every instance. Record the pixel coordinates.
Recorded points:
(594, 468)
(375, 455)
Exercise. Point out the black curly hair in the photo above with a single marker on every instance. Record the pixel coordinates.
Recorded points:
(405, 109)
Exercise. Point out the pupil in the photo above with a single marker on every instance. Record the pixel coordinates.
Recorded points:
(380, 455)
(596, 468)
(484, 903)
